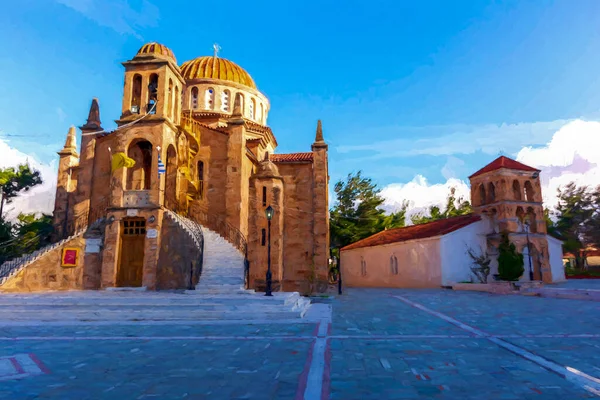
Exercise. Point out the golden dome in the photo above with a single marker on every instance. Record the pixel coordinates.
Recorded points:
(157, 50)
(216, 68)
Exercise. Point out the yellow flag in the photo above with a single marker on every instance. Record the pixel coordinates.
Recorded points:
(120, 160)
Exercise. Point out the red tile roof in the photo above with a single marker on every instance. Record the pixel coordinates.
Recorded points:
(291, 158)
(420, 231)
(504, 162)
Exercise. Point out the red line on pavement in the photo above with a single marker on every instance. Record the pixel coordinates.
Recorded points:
(40, 364)
(327, 371)
(316, 330)
(16, 365)
(303, 380)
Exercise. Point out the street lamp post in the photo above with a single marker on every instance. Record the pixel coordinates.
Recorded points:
(529, 251)
(269, 212)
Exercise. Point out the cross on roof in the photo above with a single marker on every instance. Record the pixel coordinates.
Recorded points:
(216, 48)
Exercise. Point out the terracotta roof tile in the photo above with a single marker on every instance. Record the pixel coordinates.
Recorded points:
(291, 157)
(420, 231)
(504, 162)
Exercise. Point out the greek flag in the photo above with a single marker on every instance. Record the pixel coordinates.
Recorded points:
(161, 166)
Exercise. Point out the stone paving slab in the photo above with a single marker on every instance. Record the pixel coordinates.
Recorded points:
(581, 354)
(160, 369)
(440, 369)
(376, 312)
(507, 315)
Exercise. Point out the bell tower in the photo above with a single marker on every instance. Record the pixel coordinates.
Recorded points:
(509, 193)
(153, 85)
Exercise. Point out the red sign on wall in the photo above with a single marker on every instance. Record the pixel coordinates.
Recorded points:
(69, 257)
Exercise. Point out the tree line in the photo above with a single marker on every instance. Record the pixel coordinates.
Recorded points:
(357, 214)
(28, 232)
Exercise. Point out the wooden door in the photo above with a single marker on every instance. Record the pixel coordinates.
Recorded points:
(131, 262)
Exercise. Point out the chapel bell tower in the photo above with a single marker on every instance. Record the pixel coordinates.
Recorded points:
(509, 193)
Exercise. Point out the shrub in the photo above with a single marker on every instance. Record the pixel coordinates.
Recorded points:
(510, 261)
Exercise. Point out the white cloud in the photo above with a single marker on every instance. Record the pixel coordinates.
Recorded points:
(571, 154)
(37, 199)
(118, 15)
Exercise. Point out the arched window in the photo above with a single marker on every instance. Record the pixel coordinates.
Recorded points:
(171, 179)
(200, 176)
(491, 192)
(482, 199)
(531, 220)
(136, 94)
(170, 99)
(177, 104)
(194, 98)
(394, 265)
(363, 267)
(264, 196)
(261, 116)
(252, 108)
(516, 190)
(520, 214)
(528, 189)
(138, 176)
(209, 99)
(263, 239)
(225, 95)
(152, 93)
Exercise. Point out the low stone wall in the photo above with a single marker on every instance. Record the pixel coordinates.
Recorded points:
(178, 256)
(46, 273)
(500, 287)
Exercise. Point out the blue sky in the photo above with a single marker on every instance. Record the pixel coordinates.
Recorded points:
(404, 88)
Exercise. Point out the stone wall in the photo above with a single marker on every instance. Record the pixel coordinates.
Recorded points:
(177, 257)
(298, 225)
(46, 273)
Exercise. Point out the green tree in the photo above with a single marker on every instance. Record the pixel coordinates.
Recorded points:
(454, 207)
(510, 261)
(14, 181)
(357, 213)
(575, 217)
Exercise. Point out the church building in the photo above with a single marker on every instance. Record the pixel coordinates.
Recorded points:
(192, 140)
(506, 196)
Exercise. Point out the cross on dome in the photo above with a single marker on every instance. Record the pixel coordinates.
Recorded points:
(216, 48)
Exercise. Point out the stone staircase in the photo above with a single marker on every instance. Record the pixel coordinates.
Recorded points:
(221, 284)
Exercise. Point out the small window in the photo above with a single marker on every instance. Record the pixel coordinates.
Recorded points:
(264, 196)
(394, 265)
(209, 99)
(194, 98)
(363, 267)
(263, 236)
(252, 107)
(225, 101)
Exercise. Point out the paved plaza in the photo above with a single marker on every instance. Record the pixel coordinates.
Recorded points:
(377, 344)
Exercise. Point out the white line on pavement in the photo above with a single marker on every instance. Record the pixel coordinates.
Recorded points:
(581, 379)
(314, 383)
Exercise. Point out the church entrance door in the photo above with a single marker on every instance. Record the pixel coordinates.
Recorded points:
(131, 262)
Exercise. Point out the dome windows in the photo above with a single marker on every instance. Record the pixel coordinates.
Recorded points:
(225, 95)
(209, 99)
(194, 95)
(252, 107)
